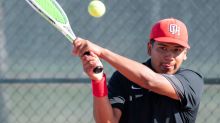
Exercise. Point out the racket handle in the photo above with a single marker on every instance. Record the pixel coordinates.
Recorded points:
(97, 69)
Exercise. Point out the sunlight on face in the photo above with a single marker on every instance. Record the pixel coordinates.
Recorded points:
(166, 57)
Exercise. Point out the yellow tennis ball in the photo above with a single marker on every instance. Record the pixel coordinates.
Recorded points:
(96, 8)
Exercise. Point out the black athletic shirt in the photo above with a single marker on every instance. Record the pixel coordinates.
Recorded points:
(139, 105)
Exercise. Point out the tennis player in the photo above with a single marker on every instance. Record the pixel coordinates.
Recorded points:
(156, 91)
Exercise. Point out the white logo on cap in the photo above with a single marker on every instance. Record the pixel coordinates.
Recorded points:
(174, 29)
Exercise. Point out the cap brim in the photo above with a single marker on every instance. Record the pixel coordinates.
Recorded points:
(172, 40)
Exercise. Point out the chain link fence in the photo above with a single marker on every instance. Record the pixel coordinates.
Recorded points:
(41, 82)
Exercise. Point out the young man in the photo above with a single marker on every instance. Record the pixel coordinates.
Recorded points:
(157, 91)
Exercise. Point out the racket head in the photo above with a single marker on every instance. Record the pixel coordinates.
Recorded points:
(53, 13)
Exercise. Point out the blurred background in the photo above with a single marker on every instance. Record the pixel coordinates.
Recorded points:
(42, 82)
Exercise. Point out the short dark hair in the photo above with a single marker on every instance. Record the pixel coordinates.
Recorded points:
(152, 41)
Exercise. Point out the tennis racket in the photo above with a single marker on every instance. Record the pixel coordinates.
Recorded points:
(53, 13)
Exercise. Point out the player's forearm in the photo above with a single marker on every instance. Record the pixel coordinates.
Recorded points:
(134, 71)
(140, 74)
(102, 110)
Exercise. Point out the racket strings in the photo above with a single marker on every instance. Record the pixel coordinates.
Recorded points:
(53, 9)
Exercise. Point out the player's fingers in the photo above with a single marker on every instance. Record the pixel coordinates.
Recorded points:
(91, 61)
(76, 40)
(88, 66)
(88, 59)
(93, 55)
(76, 47)
(86, 47)
(74, 51)
(80, 47)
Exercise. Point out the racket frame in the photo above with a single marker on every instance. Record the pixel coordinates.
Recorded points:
(65, 29)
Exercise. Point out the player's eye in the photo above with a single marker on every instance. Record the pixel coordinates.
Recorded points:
(179, 49)
(163, 48)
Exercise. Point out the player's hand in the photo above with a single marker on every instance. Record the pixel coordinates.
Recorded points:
(89, 62)
(81, 46)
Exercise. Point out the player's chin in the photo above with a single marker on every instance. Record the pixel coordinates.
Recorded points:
(168, 70)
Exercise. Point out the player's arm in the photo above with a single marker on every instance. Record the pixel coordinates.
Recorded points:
(134, 71)
(140, 74)
(102, 109)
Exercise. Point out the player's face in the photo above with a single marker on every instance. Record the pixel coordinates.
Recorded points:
(166, 57)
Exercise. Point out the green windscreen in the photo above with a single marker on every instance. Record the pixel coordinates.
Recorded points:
(53, 10)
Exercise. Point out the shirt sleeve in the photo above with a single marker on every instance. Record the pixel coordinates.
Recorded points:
(116, 90)
(188, 86)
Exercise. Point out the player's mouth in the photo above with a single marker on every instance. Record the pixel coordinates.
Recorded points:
(167, 67)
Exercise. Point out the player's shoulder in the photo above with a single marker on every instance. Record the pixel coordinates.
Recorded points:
(189, 73)
(117, 80)
(118, 75)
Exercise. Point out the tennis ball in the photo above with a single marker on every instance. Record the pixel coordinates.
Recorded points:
(96, 8)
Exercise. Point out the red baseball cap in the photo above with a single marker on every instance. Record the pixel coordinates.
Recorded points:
(171, 31)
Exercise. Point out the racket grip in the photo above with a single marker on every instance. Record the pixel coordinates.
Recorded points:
(97, 69)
